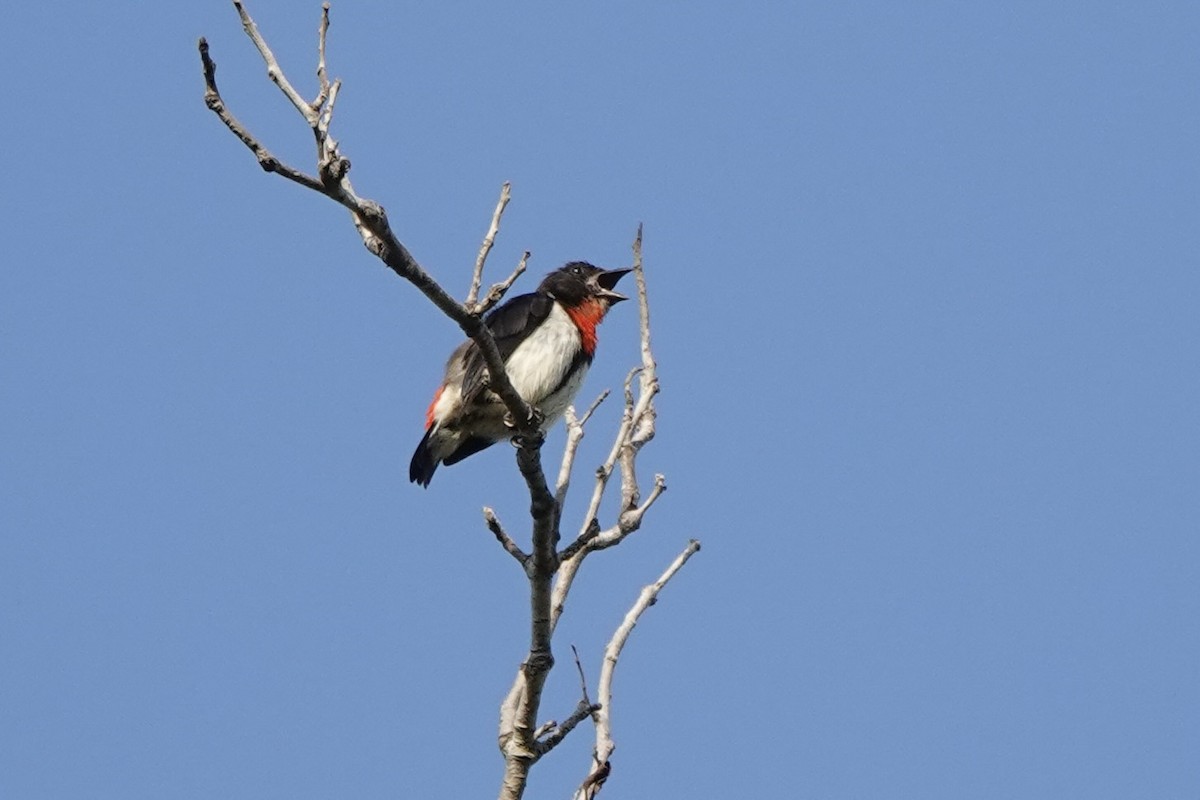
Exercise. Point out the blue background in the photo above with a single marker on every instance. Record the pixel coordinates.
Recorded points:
(924, 284)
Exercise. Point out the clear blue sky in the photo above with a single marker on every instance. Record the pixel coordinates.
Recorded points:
(925, 287)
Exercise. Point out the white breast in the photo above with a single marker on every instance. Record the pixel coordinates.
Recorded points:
(537, 367)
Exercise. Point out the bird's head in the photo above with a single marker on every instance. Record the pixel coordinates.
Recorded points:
(579, 281)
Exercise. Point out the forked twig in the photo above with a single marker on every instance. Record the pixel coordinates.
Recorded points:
(370, 220)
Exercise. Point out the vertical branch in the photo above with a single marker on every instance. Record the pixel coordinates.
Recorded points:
(520, 746)
(489, 239)
(322, 75)
(644, 415)
(574, 437)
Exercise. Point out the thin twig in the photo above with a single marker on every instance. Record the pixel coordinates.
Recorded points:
(591, 532)
(612, 653)
(582, 678)
(488, 240)
(574, 437)
(503, 538)
(644, 415)
(274, 71)
(604, 471)
(555, 733)
(322, 75)
(498, 290)
(326, 119)
(592, 408)
(629, 520)
(269, 163)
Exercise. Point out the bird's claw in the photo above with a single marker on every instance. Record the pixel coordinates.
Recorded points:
(535, 419)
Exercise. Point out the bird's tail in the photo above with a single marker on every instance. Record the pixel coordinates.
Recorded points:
(424, 463)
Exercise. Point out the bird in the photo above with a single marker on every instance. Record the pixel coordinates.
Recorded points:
(546, 338)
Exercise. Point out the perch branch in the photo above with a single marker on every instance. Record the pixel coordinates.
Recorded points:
(369, 217)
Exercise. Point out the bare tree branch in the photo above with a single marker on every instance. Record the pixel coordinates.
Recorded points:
(582, 678)
(370, 219)
(570, 551)
(498, 290)
(612, 653)
(550, 573)
(521, 748)
(503, 538)
(556, 733)
(489, 239)
(644, 414)
(274, 71)
(269, 163)
(574, 437)
(322, 75)
(592, 408)
(594, 782)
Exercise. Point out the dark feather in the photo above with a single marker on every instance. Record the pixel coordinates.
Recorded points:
(423, 465)
(468, 448)
(509, 324)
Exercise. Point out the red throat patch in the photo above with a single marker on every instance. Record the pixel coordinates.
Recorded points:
(586, 316)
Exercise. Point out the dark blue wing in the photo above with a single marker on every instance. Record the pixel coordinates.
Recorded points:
(510, 323)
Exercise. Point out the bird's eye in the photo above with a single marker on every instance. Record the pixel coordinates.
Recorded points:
(576, 271)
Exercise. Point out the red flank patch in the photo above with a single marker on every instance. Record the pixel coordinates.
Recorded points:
(429, 414)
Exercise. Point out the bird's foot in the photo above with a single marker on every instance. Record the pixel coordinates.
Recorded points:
(523, 441)
(534, 437)
(536, 418)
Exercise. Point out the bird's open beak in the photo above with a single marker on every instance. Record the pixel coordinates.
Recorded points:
(606, 280)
